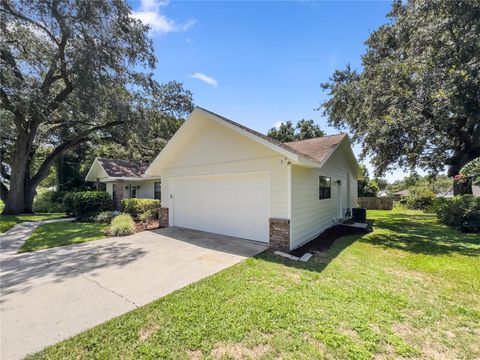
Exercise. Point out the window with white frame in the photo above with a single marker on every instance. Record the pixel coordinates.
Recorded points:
(324, 187)
(158, 190)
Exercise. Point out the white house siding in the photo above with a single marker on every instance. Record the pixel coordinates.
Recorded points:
(216, 150)
(146, 190)
(311, 216)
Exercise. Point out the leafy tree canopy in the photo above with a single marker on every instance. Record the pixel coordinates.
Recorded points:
(305, 129)
(72, 72)
(367, 187)
(416, 102)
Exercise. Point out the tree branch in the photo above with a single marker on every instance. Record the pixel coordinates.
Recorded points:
(44, 168)
(12, 12)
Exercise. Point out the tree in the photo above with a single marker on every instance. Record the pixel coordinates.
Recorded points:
(305, 129)
(472, 170)
(367, 187)
(416, 101)
(71, 72)
(284, 133)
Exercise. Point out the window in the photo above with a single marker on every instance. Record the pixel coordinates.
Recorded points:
(324, 187)
(133, 191)
(158, 190)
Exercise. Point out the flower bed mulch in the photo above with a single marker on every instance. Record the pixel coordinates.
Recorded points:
(139, 226)
(326, 239)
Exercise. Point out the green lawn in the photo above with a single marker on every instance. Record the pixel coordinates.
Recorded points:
(409, 289)
(9, 221)
(62, 233)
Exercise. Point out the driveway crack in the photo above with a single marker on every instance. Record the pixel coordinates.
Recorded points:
(107, 289)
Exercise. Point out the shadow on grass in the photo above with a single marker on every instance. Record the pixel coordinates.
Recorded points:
(422, 234)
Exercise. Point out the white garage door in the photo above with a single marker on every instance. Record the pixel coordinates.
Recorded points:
(234, 205)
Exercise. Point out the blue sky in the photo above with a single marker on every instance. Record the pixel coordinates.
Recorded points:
(259, 63)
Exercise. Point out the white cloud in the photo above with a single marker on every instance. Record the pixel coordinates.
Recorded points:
(206, 79)
(149, 13)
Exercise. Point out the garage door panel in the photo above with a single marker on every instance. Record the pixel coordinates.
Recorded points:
(235, 205)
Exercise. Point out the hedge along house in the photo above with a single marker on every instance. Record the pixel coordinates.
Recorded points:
(123, 179)
(221, 177)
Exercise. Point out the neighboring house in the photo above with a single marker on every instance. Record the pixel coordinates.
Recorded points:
(397, 195)
(221, 177)
(124, 179)
(449, 192)
(383, 193)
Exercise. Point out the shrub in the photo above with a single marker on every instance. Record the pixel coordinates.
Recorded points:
(48, 201)
(122, 225)
(148, 216)
(136, 207)
(420, 198)
(87, 202)
(106, 217)
(461, 212)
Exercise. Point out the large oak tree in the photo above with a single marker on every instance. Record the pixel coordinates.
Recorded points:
(416, 102)
(71, 71)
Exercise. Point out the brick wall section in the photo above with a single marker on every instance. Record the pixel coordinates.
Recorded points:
(119, 189)
(163, 217)
(280, 234)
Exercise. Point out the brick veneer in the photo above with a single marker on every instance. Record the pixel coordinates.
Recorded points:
(119, 189)
(279, 234)
(163, 217)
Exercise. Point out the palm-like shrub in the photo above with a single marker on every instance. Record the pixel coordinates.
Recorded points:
(122, 225)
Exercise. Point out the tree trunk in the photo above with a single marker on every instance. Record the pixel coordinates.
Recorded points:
(30, 193)
(16, 195)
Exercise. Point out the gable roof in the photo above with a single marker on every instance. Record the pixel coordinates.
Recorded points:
(256, 133)
(312, 152)
(318, 148)
(123, 168)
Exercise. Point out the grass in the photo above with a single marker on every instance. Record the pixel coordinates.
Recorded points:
(62, 233)
(410, 289)
(9, 221)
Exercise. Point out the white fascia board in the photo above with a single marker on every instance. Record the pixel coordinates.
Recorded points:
(352, 156)
(95, 162)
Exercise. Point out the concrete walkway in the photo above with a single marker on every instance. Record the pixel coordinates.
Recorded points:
(13, 239)
(50, 295)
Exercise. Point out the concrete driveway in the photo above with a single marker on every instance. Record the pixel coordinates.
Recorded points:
(50, 295)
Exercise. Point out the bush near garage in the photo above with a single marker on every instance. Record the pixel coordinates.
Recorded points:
(122, 225)
(86, 203)
(137, 207)
(461, 212)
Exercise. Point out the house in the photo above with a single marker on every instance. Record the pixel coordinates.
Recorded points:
(383, 193)
(398, 195)
(449, 192)
(123, 179)
(221, 177)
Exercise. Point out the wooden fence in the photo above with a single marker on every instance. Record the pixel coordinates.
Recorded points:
(376, 203)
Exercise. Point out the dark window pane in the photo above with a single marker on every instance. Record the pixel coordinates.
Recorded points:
(324, 187)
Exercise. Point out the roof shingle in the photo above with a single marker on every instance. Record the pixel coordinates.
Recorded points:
(123, 168)
(318, 148)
